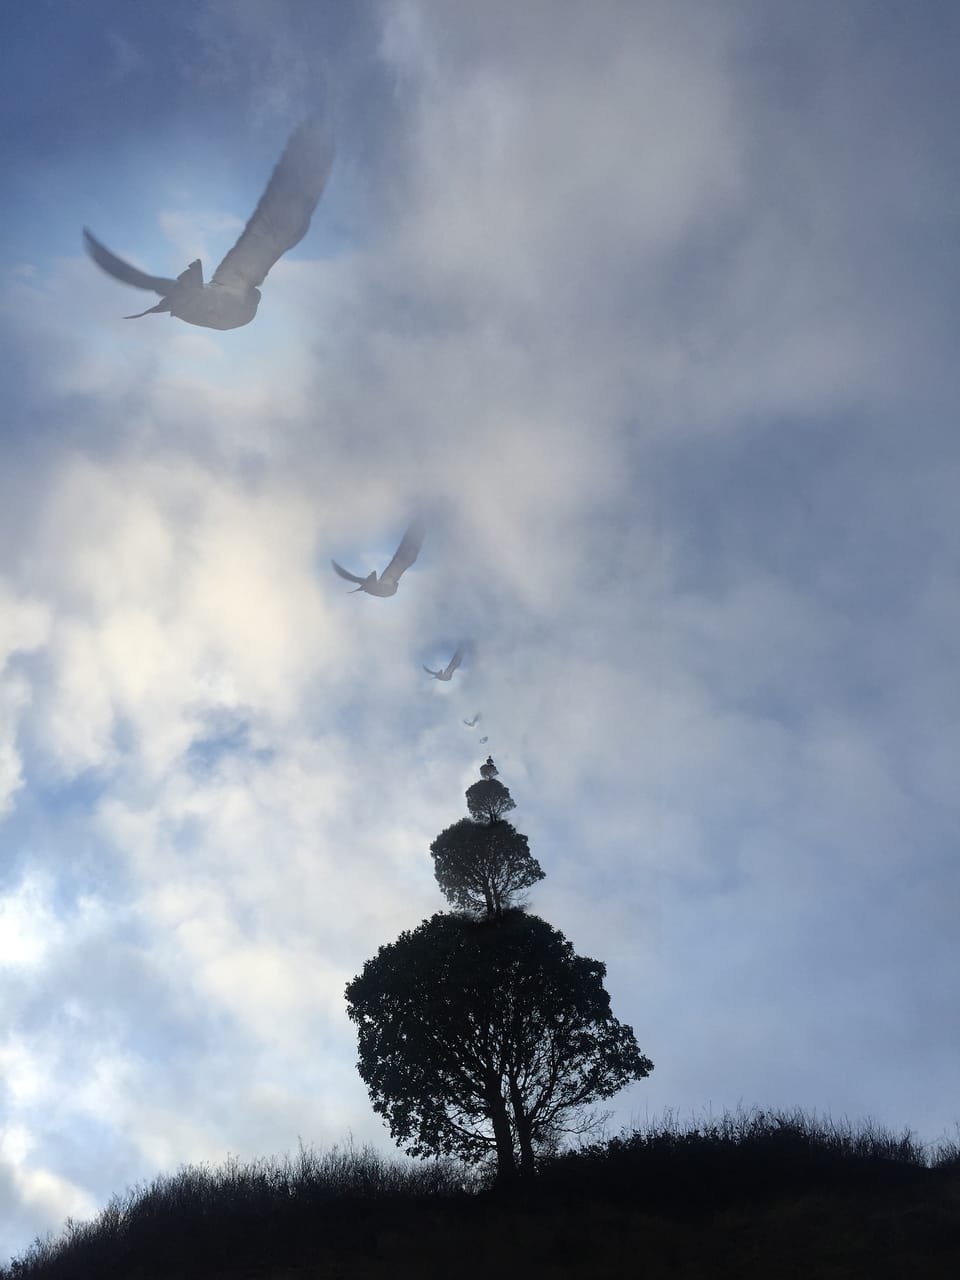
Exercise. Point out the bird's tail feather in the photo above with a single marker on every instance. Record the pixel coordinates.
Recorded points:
(161, 306)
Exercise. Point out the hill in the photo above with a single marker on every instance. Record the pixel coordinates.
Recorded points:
(754, 1194)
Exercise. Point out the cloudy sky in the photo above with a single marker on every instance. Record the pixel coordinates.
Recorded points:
(651, 307)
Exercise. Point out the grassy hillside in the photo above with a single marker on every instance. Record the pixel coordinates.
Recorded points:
(753, 1194)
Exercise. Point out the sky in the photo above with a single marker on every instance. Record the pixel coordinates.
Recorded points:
(650, 309)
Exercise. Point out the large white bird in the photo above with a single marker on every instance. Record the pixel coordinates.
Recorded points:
(406, 553)
(279, 222)
(447, 672)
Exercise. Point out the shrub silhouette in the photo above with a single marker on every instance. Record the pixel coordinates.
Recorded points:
(255, 1213)
(744, 1157)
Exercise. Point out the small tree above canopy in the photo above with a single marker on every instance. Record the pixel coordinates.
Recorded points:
(488, 800)
(484, 1037)
(482, 862)
(482, 868)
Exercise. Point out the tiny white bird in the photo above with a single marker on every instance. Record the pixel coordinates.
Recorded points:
(483, 740)
(447, 672)
(470, 723)
(280, 221)
(406, 553)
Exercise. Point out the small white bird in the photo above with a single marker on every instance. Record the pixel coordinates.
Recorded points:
(470, 723)
(406, 553)
(280, 221)
(450, 668)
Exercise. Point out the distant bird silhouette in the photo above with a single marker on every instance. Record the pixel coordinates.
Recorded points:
(470, 723)
(407, 552)
(483, 740)
(279, 222)
(450, 668)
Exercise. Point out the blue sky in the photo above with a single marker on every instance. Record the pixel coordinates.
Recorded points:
(651, 307)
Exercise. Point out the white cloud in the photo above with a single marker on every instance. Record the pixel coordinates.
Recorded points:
(189, 235)
(24, 625)
(41, 1197)
(28, 924)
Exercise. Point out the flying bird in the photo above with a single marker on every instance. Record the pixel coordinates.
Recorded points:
(279, 222)
(406, 553)
(470, 723)
(483, 740)
(450, 668)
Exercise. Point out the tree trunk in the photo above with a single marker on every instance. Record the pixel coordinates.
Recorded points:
(524, 1135)
(497, 1108)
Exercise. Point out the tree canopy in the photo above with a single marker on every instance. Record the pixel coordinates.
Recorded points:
(482, 866)
(488, 800)
(485, 1037)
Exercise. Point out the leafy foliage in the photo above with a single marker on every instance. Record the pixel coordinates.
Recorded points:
(488, 800)
(481, 866)
(483, 1036)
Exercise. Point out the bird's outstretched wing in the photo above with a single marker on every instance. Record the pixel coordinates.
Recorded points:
(121, 270)
(435, 674)
(283, 215)
(406, 553)
(454, 661)
(345, 573)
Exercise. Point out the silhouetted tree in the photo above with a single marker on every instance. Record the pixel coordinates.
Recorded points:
(482, 1037)
(488, 799)
(483, 862)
